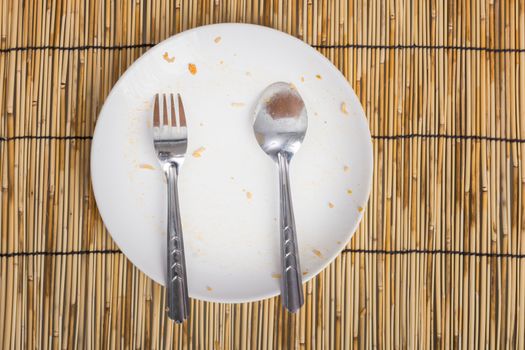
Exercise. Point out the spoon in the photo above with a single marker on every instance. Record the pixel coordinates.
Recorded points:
(280, 125)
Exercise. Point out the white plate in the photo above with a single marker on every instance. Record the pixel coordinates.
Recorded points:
(229, 198)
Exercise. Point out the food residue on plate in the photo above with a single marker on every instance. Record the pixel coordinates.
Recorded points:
(192, 68)
(217, 39)
(359, 209)
(318, 76)
(221, 62)
(237, 104)
(209, 289)
(343, 108)
(276, 275)
(198, 152)
(349, 191)
(167, 58)
(317, 253)
(302, 79)
(346, 168)
(146, 166)
(305, 273)
(330, 205)
(249, 195)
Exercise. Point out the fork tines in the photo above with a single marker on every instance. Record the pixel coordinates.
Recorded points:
(177, 119)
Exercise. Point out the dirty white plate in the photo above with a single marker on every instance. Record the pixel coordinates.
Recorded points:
(228, 185)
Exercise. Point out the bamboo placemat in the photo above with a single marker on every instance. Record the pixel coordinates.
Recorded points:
(439, 259)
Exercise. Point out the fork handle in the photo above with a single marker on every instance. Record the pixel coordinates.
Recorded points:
(177, 284)
(291, 286)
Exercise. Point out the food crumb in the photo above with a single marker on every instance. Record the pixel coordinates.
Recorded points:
(343, 108)
(221, 62)
(147, 166)
(237, 104)
(167, 58)
(305, 273)
(359, 209)
(330, 205)
(276, 275)
(302, 79)
(346, 168)
(192, 68)
(317, 253)
(217, 39)
(293, 87)
(198, 152)
(249, 195)
(209, 289)
(318, 76)
(349, 191)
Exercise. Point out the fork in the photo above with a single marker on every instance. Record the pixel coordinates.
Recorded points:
(170, 139)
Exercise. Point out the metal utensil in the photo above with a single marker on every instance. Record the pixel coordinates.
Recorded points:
(280, 125)
(170, 138)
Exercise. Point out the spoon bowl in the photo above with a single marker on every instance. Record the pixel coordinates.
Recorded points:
(280, 120)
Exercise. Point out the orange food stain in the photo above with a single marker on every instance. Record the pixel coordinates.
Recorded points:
(192, 68)
(349, 191)
(317, 253)
(346, 168)
(302, 79)
(360, 209)
(249, 195)
(147, 166)
(276, 275)
(330, 205)
(318, 76)
(305, 273)
(217, 40)
(198, 152)
(209, 289)
(343, 108)
(167, 58)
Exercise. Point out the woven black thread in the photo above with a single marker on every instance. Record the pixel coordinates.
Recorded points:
(78, 48)
(435, 252)
(317, 46)
(73, 252)
(355, 251)
(45, 137)
(376, 137)
(419, 47)
(445, 136)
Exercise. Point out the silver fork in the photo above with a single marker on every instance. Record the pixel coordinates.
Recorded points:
(170, 138)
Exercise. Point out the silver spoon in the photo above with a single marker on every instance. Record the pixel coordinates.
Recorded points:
(280, 125)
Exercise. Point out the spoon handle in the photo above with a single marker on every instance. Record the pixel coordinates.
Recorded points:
(291, 286)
